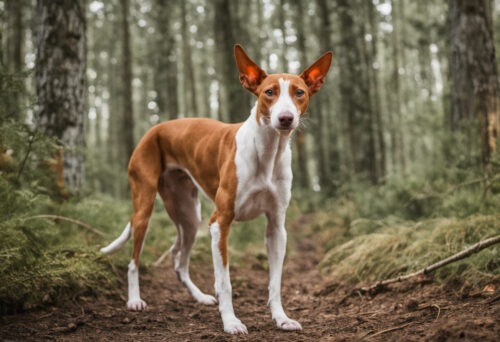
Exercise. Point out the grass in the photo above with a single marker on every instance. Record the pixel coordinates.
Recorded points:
(401, 227)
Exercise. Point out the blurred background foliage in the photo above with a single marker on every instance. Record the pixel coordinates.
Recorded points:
(394, 182)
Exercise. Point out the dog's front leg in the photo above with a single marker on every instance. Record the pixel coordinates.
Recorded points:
(219, 233)
(276, 248)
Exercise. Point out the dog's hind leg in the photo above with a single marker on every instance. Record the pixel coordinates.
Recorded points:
(144, 186)
(180, 197)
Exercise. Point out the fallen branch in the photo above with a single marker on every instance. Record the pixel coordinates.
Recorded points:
(461, 255)
(161, 258)
(80, 223)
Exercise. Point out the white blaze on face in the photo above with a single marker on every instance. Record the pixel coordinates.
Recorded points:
(284, 104)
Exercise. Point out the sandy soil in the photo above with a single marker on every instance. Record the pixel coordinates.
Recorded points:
(414, 311)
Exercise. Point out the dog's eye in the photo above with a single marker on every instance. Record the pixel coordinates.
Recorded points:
(299, 93)
(269, 92)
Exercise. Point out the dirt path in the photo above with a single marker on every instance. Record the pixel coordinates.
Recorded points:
(408, 312)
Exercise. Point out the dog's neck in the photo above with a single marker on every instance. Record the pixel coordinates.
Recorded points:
(267, 141)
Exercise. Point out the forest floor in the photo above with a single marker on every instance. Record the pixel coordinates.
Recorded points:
(412, 311)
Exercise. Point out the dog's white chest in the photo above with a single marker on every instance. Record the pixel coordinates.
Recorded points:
(263, 169)
(254, 197)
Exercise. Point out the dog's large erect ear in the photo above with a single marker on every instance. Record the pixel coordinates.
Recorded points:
(314, 76)
(250, 73)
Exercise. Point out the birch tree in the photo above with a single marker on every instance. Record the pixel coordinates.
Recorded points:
(60, 81)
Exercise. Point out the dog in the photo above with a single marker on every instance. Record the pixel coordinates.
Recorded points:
(244, 168)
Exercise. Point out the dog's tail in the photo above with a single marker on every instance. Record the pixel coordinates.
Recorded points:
(116, 245)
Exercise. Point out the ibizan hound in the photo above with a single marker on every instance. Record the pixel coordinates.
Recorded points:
(244, 168)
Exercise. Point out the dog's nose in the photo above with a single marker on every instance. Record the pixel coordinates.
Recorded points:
(285, 119)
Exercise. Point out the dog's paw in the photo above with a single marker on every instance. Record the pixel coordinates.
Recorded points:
(288, 324)
(235, 327)
(136, 304)
(206, 299)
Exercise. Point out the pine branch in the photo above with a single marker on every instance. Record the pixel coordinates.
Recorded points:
(80, 223)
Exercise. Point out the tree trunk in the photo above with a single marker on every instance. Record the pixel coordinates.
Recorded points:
(165, 76)
(348, 61)
(114, 143)
(60, 81)
(300, 135)
(367, 115)
(234, 101)
(281, 16)
(259, 41)
(188, 69)
(325, 149)
(475, 89)
(399, 159)
(14, 51)
(375, 84)
(128, 110)
(14, 35)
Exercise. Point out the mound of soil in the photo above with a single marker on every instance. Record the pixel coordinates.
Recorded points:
(405, 312)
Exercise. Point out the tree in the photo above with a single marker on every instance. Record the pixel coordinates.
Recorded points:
(397, 138)
(320, 99)
(475, 89)
(14, 48)
(128, 106)
(165, 76)
(284, 47)
(300, 136)
(355, 61)
(188, 69)
(375, 85)
(60, 81)
(235, 102)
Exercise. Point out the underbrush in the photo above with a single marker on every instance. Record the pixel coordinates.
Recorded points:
(375, 233)
(396, 249)
(44, 260)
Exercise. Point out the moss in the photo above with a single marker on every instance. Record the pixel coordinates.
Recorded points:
(407, 247)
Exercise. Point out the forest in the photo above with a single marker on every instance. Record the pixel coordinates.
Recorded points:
(396, 166)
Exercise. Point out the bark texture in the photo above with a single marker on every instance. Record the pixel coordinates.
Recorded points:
(165, 77)
(188, 68)
(128, 109)
(397, 137)
(60, 80)
(320, 100)
(375, 85)
(14, 35)
(300, 135)
(475, 90)
(235, 104)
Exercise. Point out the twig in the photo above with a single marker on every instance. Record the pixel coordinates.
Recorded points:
(80, 223)
(386, 331)
(161, 258)
(439, 311)
(494, 299)
(28, 151)
(437, 307)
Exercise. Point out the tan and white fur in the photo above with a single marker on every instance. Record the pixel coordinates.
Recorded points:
(244, 168)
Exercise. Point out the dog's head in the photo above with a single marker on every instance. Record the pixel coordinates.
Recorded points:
(282, 98)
